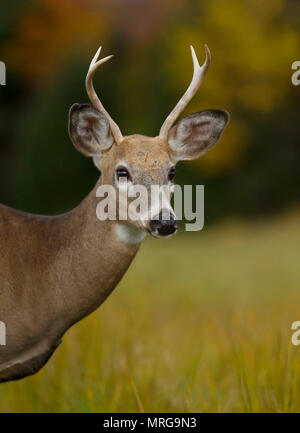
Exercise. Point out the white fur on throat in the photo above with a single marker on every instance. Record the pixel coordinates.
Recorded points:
(130, 235)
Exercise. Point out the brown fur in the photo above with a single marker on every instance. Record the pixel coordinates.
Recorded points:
(56, 270)
(53, 272)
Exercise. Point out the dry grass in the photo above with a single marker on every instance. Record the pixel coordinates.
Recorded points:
(201, 322)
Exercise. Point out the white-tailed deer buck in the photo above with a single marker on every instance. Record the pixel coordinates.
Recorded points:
(55, 270)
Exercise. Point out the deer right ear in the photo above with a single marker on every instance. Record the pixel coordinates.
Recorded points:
(89, 130)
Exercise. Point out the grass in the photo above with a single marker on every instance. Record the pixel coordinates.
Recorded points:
(201, 322)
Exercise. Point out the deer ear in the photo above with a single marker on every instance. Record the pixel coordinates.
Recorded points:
(89, 130)
(194, 135)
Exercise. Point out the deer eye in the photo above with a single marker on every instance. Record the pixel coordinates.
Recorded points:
(172, 174)
(123, 173)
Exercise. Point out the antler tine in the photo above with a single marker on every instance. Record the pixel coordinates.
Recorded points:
(198, 76)
(94, 66)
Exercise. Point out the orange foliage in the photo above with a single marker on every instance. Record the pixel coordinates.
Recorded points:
(45, 33)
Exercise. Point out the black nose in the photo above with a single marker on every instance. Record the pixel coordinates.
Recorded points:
(164, 223)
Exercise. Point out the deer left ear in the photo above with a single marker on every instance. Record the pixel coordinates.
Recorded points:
(194, 135)
(89, 130)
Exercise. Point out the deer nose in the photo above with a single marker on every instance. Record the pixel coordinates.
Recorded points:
(164, 224)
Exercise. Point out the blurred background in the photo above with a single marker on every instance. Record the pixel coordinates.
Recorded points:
(234, 293)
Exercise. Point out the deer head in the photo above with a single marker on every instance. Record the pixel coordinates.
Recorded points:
(145, 160)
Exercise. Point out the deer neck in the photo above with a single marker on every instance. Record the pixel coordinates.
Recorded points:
(71, 264)
(96, 257)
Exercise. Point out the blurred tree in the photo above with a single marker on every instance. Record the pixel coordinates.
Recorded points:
(46, 30)
(252, 45)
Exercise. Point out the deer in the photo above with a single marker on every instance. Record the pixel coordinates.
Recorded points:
(56, 270)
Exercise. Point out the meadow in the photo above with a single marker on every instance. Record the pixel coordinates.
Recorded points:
(200, 323)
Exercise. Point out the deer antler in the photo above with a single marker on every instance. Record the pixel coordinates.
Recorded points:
(94, 66)
(198, 76)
